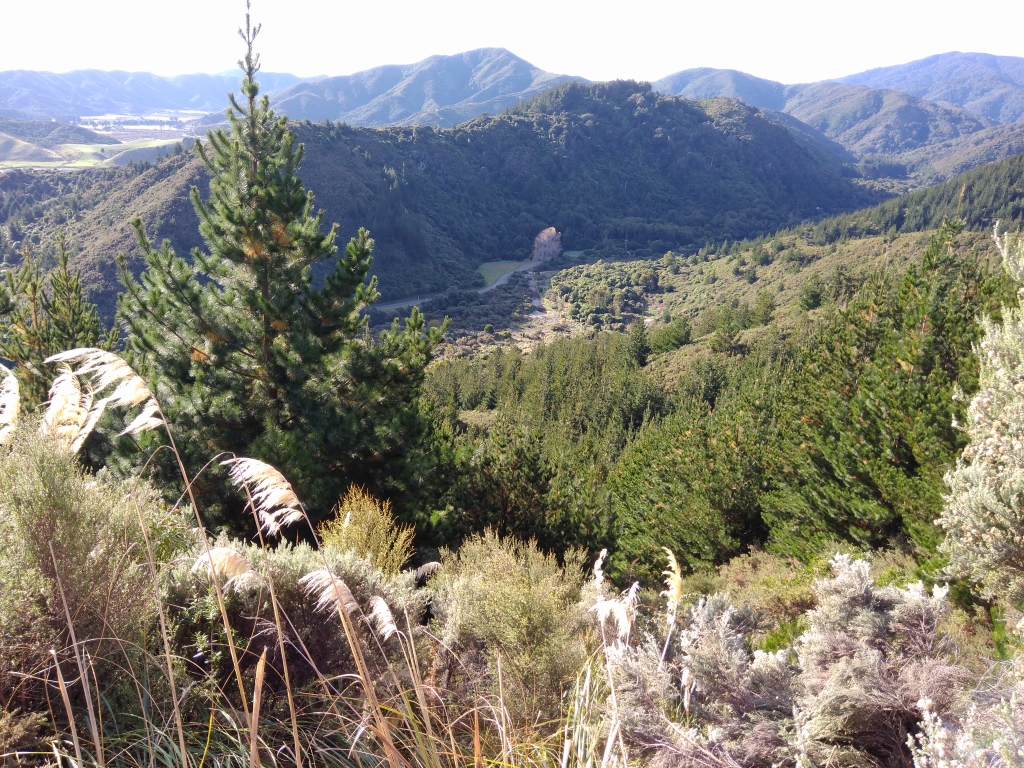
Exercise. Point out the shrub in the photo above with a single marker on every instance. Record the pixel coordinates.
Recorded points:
(366, 526)
(315, 643)
(984, 512)
(69, 538)
(868, 659)
(670, 336)
(504, 602)
(812, 292)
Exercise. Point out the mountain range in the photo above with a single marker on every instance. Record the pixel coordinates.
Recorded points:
(613, 166)
(912, 124)
(895, 131)
(991, 87)
(440, 90)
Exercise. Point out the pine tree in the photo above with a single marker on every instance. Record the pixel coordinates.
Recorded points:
(866, 435)
(44, 313)
(245, 353)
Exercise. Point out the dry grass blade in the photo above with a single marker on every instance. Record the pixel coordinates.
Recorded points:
(67, 708)
(257, 697)
(274, 501)
(330, 591)
(10, 404)
(381, 618)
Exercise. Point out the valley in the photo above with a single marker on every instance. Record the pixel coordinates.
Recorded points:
(460, 413)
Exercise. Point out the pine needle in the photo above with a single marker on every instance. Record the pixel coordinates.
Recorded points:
(273, 499)
(10, 404)
(330, 591)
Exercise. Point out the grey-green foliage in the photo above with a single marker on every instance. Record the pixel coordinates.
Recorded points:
(315, 640)
(984, 511)
(847, 693)
(505, 601)
(63, 530)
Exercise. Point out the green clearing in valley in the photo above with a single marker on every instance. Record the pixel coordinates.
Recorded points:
(493, 270)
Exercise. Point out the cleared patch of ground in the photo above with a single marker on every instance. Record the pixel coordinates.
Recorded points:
(493, 270)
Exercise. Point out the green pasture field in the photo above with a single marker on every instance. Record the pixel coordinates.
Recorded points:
(493, 270)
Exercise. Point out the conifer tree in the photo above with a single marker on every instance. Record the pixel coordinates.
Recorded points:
(245, 352)
(43, 313)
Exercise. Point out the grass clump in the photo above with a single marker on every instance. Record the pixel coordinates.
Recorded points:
(511, 624)
(71, 545)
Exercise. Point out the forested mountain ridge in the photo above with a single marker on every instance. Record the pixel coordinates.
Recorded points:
(895, 134)
(988, 86)
(611, 165)
(440, 90)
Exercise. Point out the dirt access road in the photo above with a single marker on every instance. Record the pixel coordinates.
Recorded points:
(529, 267)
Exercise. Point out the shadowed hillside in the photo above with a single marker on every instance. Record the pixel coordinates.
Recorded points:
(612, 165)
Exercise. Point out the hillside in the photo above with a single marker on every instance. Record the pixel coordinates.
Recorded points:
(876, 121)
(980, 196)
(612, 166)
(15, 150)
(991, 87)
(899, 135)
(440, 90)
(48, 95)
(51, 134)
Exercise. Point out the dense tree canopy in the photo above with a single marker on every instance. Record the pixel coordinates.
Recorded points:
(246, 354)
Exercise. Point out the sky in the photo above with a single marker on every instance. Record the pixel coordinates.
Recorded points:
(787, 40)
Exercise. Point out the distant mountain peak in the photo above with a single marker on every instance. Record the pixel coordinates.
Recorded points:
(987, 85)
(440, 89)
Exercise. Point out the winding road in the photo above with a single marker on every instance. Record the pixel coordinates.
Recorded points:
(500, 281)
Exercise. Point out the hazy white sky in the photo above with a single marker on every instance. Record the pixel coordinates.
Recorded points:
(786, 40)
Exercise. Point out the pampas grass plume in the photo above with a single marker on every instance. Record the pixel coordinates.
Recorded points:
(105, 369)
(222, 561)
(10, 404)
(274, 500)
(382, 618)
(673, 581)
(599, 570)
(330, 591)
(69, 410)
